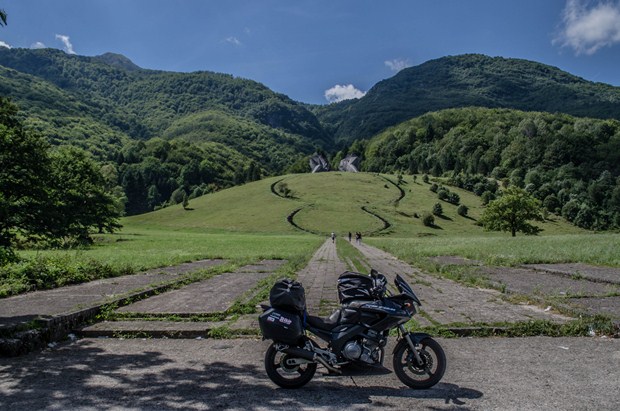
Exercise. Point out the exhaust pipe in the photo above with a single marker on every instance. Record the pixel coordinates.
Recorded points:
(301, 353)
(310, 356)
(326, 365)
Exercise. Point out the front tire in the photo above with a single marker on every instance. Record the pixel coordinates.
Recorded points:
(283, 373)
(417, 376)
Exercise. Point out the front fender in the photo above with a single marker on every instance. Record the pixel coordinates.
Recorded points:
(416, 338)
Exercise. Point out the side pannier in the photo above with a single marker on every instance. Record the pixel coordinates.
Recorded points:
(281, 326)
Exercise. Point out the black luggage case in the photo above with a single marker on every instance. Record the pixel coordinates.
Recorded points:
(355, 286)
(287, 294)
(282, 326)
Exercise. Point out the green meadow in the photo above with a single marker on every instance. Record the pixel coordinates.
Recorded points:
(250, 222)
(253, 222)
(597, 249)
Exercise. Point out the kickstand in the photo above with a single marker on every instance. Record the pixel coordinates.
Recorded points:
(354, 383)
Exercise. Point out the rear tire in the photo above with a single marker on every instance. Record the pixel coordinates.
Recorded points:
(285, 375)
(415, 376)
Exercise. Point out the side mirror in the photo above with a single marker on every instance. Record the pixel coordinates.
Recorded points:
(374, 273)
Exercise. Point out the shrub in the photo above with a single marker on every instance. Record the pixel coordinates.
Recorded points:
(428, 220)
(453, 198)
(177, 196)
(433, 187)
(437, 209)
(462, 210)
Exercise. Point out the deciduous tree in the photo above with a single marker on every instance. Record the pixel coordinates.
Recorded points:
(24, 176)
(512, 212)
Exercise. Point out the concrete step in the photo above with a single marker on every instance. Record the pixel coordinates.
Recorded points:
(149, 329)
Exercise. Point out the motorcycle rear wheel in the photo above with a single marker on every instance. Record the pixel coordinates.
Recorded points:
(284, 374)
(423, 376)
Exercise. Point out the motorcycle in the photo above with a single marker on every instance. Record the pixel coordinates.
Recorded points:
(356, 333)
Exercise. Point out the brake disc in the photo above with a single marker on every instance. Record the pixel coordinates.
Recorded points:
(427, 361)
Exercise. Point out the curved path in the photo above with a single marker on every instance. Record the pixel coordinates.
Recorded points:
(291, 217)
(386, 223)
(398, 187)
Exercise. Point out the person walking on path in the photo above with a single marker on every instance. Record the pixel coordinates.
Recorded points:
(349, 236)
(333, 237)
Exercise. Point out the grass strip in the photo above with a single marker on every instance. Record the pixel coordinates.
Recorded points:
(353, 258)
(598, 325)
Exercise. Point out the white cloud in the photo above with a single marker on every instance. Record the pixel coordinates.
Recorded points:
(3, 44)
(397, 64)
(586, 28)
(38, 45)
(233, 40)
(67, 42)
(339, 93)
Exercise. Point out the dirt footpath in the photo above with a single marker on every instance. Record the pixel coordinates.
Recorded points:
(538, 373)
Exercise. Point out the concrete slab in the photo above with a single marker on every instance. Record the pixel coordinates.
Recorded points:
(609, 306)
(591, 272)
(60, 311)
(214, 295)
(533, 282)
(453, 260)
(246, 322)
(59, 301)
(448, 302)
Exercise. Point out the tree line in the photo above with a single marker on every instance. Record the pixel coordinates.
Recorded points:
(572, 165)
(56, 196)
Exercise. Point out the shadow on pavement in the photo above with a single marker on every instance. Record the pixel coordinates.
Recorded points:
(93, 378)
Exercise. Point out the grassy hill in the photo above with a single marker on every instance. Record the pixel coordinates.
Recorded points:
(326, 202)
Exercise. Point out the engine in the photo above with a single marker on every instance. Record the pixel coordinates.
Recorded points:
(363, 350)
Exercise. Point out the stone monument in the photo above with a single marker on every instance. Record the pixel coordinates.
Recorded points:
(350, 163)
(318, 163)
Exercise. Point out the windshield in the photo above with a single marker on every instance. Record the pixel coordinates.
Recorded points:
(405, 288)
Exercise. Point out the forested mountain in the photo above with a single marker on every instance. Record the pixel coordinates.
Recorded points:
(571, 164)
(107, 105)
(143, 103)
(464, 81)
(161, 136)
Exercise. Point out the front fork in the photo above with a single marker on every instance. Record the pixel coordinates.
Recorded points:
(414, 351)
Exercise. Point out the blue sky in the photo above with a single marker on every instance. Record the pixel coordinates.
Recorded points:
(322, 50)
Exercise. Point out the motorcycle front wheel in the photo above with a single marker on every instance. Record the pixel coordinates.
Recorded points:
(287, 371)
(420, 376)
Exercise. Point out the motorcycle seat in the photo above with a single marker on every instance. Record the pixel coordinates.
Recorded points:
(327, 324)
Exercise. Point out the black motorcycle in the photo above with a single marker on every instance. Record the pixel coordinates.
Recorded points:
(356, 333)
